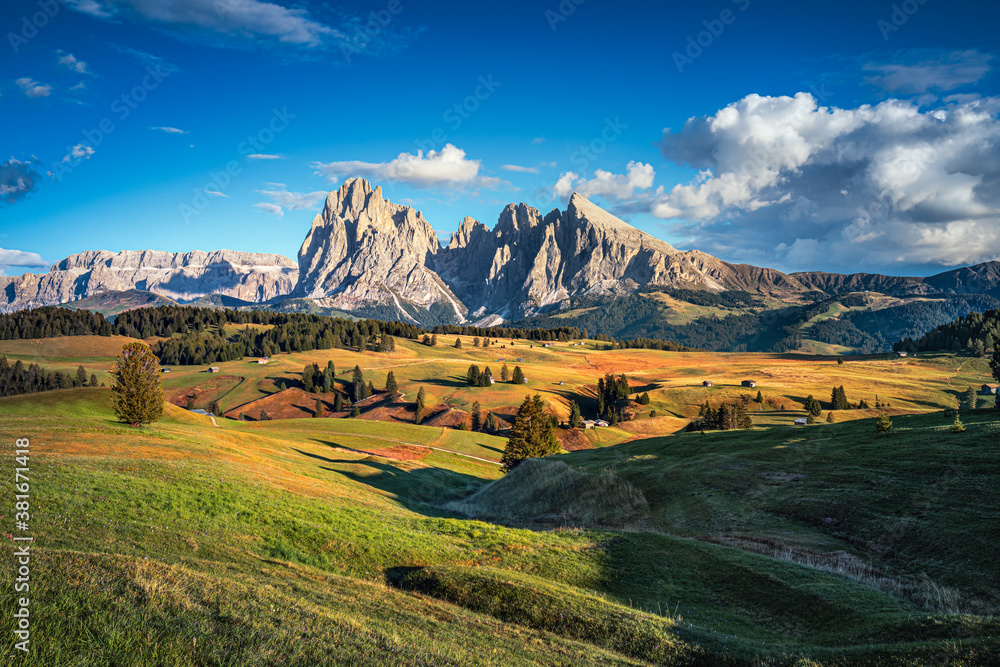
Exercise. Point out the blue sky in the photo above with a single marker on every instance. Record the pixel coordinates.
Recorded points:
(852, 136)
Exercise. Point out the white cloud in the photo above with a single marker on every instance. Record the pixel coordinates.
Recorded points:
(445, 168)
(169, 130)
(265, 156)
(784, 181)
(295, 201)
(79, 86)
(613, 187)
(273, 209)
(538, 140)
(32, 88)
(71, 62)
(944, 73)
(213, 193)
(518, 168)
(19, 259)
(79, 152)
(242, 18)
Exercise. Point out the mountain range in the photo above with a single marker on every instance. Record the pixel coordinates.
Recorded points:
(368, 256)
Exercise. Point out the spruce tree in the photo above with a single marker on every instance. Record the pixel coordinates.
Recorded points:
(355, 411)
(81, 377)
(264, 416)
(458, 343)
(421, 397)
(93, 380)
(307, 378)
(970, 398)
(358, 384)
(477, 416)
(338, 402)
(531, 436)
(472, 376)
(504, 373)
(491, 425)
(575, 420)
(883, 424)
(518, 377)
(136, 393)
(391, 387)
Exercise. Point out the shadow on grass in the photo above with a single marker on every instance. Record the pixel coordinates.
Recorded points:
(423, 490)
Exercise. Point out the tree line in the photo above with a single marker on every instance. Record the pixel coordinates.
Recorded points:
(16, 378)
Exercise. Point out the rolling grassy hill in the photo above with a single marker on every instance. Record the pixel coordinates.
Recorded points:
(268, 543)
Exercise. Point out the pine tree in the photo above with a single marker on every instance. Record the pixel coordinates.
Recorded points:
(882, 423)
(307, 378)
(93, 380)
(358, 384)
(475, 342)
(458, 343)
(318, 411)
(338, 402)
(504, 373)
(136, 393)
(531, 435)
(491, 425)
(575, 421)
(355, 411)
(434, 340)
(969, 402)
(518, 377)
(421, 397)
(242, 417)
(829, 418)
(957, 426)
(264, 416)
(477, 416)
(760, 397)
(214, 409)
(81, 377)
(370, 389)
(472, 376)
(391, 387)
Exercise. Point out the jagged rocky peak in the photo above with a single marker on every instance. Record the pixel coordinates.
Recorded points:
(363, 250)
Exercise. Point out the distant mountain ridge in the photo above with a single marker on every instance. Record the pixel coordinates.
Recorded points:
(366, 255)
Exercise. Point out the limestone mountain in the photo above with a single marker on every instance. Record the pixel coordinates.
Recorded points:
(529, 263)
(253, 277)
(363, 251)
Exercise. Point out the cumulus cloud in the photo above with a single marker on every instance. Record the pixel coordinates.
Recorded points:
(943, 73)
(19, 259)
(32, 88)
(613, 187)
(785, 181)
(243, 18)
(69, 61)
(78, 152)
(169, 130)
(445, 168)
(17, 180)
(273, 209)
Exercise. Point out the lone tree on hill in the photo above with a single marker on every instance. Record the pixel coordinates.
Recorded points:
(504, 373)
(458, 343)
(518, 377)
(421, 397)
(883, 424)
(531, 436)
(391, 387)
(472, 376)
(136, 393)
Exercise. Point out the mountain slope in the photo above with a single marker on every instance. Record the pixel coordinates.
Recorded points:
(247, 276)
(363, 250)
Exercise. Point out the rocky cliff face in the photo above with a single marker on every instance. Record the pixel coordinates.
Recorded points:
(528, 262)
(363, 250)
(248, 276)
